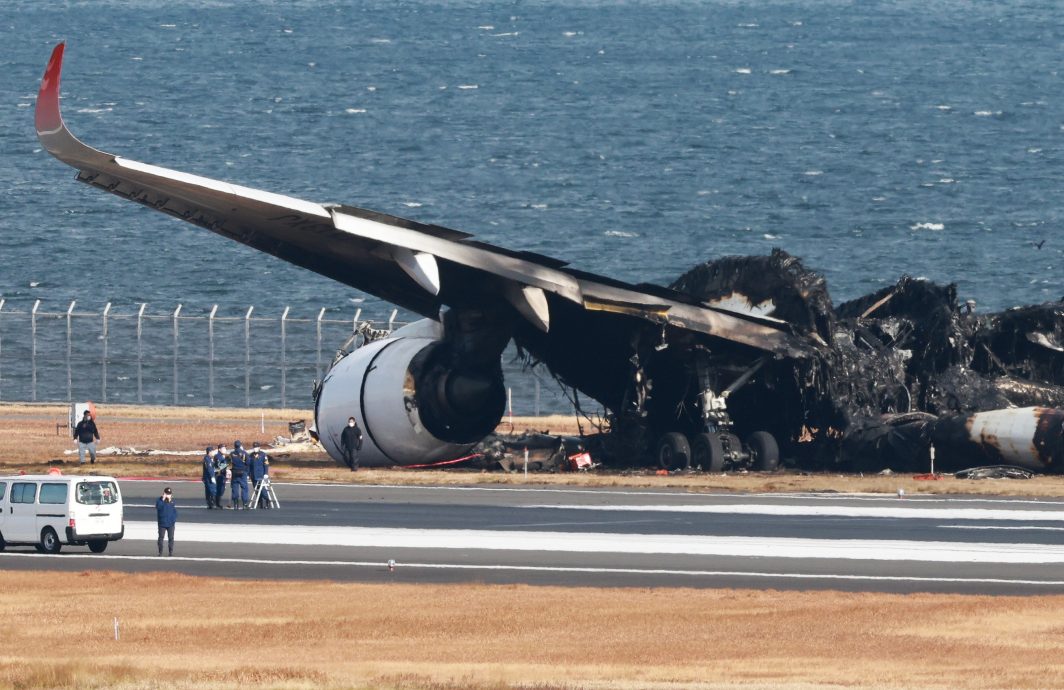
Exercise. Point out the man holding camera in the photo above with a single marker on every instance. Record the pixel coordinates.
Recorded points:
(166, 516)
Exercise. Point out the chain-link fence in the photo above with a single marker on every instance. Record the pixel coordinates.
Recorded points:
(179, 357)
(187, 356)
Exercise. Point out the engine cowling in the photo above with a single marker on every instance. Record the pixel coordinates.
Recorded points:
(412, 397)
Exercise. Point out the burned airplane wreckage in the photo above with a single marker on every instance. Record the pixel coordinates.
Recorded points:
(890, 376)
(740, 363)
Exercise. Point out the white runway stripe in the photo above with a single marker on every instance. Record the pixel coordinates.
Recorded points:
(570, 542)
(944, 514)
(550, 569)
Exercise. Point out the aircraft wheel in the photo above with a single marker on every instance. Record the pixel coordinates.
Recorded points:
(764, 451)
(98, 545)
(673, 453)
(3, 544)
(733, 447)
(707, 452)
(50, 541)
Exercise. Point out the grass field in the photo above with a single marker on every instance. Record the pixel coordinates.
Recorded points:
(31, 443)
(178, 631)
(184, 632)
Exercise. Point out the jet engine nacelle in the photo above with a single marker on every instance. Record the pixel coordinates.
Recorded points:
(411, 397)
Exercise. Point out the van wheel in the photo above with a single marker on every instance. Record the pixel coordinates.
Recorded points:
(50, 541)
(98, 545)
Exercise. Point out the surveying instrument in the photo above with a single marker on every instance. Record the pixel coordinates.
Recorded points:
(264, 487)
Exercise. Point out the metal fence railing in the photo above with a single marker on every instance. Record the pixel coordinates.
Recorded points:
(195, 356)
(176, 357)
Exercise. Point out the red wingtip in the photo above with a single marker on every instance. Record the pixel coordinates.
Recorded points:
(48, 119)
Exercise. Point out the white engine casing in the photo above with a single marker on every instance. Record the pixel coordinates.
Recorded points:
(373, 384)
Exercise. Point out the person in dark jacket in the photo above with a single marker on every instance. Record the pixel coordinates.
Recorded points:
(351, 443)
(238, 463)
(221, 470)
(87, 435)
(259, 463)
(208, 477)
(166, 516)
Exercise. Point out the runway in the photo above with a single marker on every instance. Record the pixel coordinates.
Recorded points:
(597, 537)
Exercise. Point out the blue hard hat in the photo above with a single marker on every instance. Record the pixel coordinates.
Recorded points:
(210, 448)
(236, 444)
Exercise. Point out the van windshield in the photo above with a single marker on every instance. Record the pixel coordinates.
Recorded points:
(97, 493)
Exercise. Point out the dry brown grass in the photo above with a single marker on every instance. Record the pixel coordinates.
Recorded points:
(30, 443)
(186, 632)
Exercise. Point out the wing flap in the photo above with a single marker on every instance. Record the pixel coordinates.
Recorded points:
(360, 247)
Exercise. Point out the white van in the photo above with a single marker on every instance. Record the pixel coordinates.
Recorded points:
(49, 510)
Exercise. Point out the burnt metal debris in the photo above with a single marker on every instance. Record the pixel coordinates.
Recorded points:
(899, 371)
(889, 379)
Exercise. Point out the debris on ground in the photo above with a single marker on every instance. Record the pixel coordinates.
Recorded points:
(994, 472)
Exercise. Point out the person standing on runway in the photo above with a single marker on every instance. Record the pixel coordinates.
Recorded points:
(208, 477)
(87, 435)
(238, 463)
(221, 473)
(259, 468)
(351, 443)
(166, 516)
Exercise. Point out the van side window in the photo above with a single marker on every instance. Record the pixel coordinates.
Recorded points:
(3, 490)
(53, 493)
(22, 492)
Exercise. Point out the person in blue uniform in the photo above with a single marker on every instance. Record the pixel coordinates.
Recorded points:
(221, 472)
(208, 477)
(238, 463)
(166, 517)
(259, 463)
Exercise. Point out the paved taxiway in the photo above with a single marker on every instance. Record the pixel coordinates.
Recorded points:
(597, 537)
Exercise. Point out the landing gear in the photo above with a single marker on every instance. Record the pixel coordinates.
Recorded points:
(764, 451)
(673, 452)
(707, 452)
(716, 448)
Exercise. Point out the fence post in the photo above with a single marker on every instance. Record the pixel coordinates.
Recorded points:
(33, 351)
(210, 356)
(358, 315)
(284, 357)
(69, 315)
(317, 370)
(140, 354)
(103, 386)
(247, 357)
(1, 353)
(391, 320)
(177, 312)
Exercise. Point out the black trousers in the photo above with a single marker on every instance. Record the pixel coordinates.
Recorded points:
(169, 533)
(351, 457)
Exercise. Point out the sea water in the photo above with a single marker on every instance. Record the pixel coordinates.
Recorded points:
(632, 139)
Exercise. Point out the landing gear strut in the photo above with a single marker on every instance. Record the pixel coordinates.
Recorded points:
(716, 447)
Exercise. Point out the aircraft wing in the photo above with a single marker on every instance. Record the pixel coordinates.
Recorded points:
(417, 266)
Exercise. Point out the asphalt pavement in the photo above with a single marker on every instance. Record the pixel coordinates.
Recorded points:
(596, 537)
